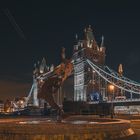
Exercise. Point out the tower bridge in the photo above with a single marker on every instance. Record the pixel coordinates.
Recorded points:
(93, 81)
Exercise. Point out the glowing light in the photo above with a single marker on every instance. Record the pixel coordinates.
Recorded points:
(111, 88)
(101, 49)
(41, 71)
(21, 102)
(94, 71)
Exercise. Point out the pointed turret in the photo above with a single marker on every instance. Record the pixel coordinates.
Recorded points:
(34, 65)
(42, 67)
(120, 70)
(38, 63)
(52, 68)
(63, 56)
(76, 37)
(89, 34)
(93, 51)
(102, 42)
(75, 47)
(89, 39)
(35, 71)
(102, 47)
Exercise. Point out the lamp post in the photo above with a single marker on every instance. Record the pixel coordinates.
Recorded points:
(111, 89)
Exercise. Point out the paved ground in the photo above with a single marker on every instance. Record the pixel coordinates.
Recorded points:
(135, 122)
(72, 128)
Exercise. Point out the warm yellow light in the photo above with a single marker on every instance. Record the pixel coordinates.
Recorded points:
(111, 88)
(21, 102)
(41, 71)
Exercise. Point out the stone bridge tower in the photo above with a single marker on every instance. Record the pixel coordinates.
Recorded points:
(86, 49)
(79, 73)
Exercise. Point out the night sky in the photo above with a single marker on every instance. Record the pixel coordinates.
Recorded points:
(31, 30)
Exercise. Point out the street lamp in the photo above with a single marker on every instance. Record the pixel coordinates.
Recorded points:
(111, 89)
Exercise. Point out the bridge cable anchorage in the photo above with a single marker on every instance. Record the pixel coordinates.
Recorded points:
(125, 85)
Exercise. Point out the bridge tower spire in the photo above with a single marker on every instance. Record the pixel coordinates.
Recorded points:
(120, 69)
(102, 42)
(89, 33)
(63, 55)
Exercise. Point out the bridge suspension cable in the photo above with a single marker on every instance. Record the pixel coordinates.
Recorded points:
(124, 84)
(122, 77)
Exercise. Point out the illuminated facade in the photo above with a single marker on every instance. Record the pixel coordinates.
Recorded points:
(79, 76)
(93, 51)
(83, 49)
(88, 80)
(40, 68)
(32, 97)
(87, 48)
